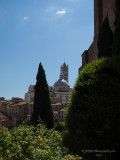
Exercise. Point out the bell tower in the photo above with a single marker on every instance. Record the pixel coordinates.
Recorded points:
(64, 72)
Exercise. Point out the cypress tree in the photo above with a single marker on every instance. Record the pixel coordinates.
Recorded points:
(105, 40)
(42, 106)
(116, 45)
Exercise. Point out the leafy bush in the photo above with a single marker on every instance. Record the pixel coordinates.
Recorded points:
(60, 126)
(5, 142)
(32, 143)
(93, 118)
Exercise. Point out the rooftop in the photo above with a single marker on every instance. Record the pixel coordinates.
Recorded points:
(61, 82)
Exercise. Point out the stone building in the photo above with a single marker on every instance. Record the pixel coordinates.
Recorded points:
(14, 111)
(29, 96)
(59, 111)
(3, 118)
(102, 8)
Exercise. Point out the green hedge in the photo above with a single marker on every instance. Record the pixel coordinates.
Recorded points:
(93, 120)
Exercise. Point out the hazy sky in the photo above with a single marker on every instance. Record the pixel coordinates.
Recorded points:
(46, 31)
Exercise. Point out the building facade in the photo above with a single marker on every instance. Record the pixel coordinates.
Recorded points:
(102, 8)
(14, 111)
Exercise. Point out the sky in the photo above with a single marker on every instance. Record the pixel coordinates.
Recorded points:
(48, 31)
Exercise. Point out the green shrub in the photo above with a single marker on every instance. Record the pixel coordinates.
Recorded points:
(32, 143)
(60, 126)
(5, 142)
(93, 118)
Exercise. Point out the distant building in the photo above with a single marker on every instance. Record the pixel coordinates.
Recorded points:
(14, 111)
(29, 96)
(102, 8)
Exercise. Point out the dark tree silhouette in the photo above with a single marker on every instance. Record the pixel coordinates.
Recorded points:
(105, 40)
(42, 106)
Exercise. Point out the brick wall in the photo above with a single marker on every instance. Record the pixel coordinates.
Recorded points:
(108, 9)
(102, 8)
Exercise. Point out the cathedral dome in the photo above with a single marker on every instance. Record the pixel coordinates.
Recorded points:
(61, 82)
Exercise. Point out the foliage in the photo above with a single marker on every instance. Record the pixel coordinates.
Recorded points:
(105, 40)
(5, 142)
(94, 114)
(116, 45)
(42, 106)
(32, 143)
(60, 126)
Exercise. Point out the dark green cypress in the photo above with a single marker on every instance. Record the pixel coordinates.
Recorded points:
(116, 45)
(105, 40)
(42, 106)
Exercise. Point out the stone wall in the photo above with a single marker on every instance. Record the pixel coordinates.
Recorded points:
(108, 9)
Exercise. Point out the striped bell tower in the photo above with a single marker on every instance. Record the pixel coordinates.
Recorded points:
(64, 72)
